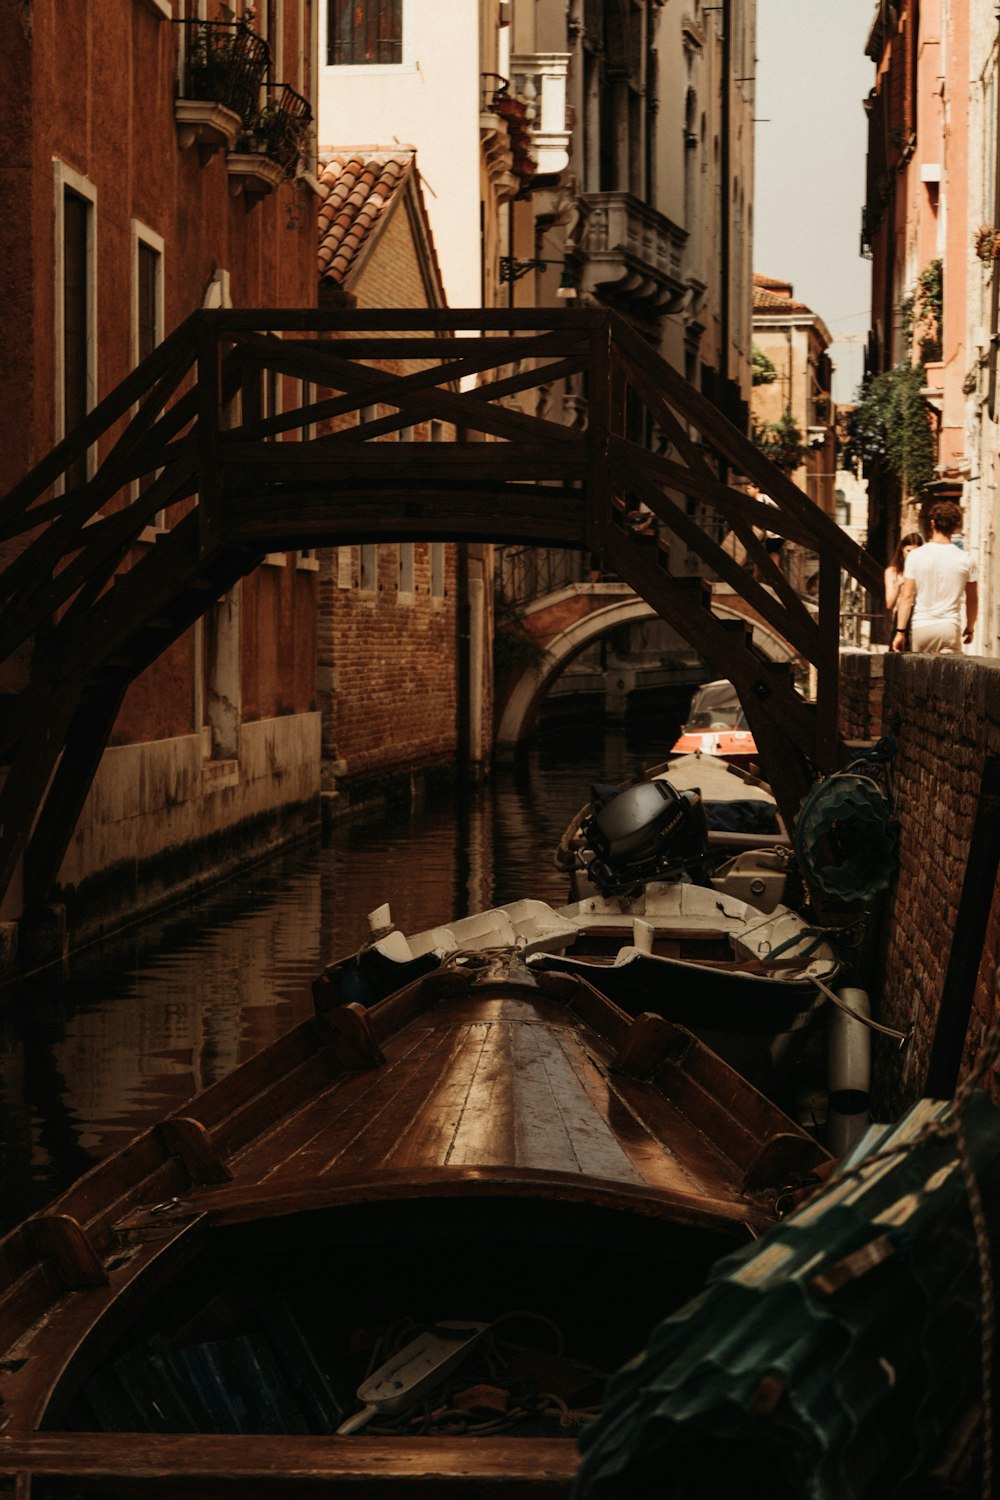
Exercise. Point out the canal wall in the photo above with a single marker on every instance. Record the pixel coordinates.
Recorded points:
(162, 820)
(944, 715)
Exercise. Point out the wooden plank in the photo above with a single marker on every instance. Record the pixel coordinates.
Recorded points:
(740, 451)
(702, 485)
(103, 416)
(86, 736)
(596, 1149)
(827, 755)
(308, 1132)
(366, 1121)
(413, 411)
(604, 407)
(248, 465)
(486, 1130)
(788, 616)
(791, 715)
(491, 514)
(401, 319)
(208, 398)
(170, 1463)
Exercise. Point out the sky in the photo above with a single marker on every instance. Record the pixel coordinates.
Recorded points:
(812, 76)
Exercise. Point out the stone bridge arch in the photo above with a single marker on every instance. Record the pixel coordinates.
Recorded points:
(569, 621)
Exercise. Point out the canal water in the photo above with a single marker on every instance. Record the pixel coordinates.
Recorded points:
(146, 1020)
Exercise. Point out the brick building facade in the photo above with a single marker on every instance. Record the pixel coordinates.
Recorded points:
(403, 695)
(138, 184)
(944, 715)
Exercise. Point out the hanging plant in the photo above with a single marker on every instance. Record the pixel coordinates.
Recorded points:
(929, 309)
(891, 424)
(987, 242)
(764, 372)
(781, 442)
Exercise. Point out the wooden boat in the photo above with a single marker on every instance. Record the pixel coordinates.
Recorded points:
(743, 980)
(486, 1146)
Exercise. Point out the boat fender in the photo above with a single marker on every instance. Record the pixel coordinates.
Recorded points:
(848, 1072)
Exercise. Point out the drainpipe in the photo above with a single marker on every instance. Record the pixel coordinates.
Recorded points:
(726, 170)
(995, 290)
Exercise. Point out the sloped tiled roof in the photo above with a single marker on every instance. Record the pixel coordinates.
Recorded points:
(360, 185)
(772, 295)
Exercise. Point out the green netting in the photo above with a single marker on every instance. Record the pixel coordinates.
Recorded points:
(830, 1360)
(845, 838)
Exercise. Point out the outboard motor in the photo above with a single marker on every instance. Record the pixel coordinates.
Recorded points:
(649, 831)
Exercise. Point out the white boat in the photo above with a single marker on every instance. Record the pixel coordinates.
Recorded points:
(744, 980)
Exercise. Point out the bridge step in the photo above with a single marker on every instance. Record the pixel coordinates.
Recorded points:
(698, 590)
(741, 631)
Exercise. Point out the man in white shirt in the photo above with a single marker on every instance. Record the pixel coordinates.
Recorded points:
(936, 580)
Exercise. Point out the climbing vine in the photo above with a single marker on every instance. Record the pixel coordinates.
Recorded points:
(891, 423)
(929, 309)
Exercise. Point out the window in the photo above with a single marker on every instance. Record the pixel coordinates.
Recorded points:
(76, 212)
(147, 310)
(364, 32)
(406, 567)
(368, 579)
(75, 277)
(437, 570)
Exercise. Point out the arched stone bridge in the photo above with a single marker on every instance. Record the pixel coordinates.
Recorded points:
(569, 620)
(87, 610)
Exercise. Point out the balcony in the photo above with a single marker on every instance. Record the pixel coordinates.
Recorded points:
(633, 255)
(506, 136)
(223, 64)
(270, 149)
(540, 80)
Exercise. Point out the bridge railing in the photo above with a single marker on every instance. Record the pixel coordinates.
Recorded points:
(262, 430)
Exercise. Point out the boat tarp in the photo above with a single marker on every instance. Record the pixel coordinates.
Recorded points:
(836, 1356)
(694, 995)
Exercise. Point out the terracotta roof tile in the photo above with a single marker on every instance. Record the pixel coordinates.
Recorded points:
(772, 295)
(360, 184)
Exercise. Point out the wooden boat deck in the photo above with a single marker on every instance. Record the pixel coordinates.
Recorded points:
(507, 1088)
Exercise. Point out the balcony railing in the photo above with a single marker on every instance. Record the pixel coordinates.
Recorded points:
(279, 129)
(634, 255)
(224, 63)
(496, 99)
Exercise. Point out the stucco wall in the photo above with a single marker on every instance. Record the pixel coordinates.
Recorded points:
(160, 819)
(944, 714)
(430, 100)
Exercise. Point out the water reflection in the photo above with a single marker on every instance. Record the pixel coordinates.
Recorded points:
(148, 1020)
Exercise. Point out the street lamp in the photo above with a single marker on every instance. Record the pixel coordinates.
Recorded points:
(512, 269)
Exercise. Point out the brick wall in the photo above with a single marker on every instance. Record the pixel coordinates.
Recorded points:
(387, 683)
(944, 714)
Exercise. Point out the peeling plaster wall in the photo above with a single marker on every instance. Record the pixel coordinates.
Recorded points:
(160, 819)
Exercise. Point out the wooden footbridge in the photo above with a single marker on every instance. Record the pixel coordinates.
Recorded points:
(191, 432)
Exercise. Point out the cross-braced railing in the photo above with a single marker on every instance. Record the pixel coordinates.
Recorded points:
(247, 432)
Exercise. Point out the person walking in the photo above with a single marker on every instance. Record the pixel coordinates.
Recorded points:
(936, 580)
(894, 573)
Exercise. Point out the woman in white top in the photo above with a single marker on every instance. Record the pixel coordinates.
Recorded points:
(894, 573)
